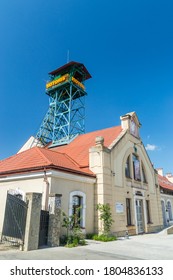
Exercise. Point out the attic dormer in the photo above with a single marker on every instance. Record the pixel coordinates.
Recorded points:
(131, 123)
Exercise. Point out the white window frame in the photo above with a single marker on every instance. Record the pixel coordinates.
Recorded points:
(82, 195)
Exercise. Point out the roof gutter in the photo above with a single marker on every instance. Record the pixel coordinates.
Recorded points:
(42, 168)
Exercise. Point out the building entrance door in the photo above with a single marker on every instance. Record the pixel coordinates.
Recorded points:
(139, 215)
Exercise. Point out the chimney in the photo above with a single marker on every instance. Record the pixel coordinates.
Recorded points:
(125, 121)
(160, 171)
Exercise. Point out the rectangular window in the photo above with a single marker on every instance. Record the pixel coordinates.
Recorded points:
(148, 211)
(128, 211)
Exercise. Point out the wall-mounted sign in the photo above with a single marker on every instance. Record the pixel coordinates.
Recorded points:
(138, 193)
(119, 207)
(75, 81)
(63, 79)
(60, 80)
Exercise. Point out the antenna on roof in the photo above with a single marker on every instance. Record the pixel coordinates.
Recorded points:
(68, 56)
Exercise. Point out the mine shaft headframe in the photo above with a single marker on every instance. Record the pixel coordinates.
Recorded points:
(65, 118)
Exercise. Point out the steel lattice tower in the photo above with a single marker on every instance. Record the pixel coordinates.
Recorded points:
(65, 118)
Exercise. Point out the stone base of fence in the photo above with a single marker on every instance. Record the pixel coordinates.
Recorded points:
(32, 221)
(54, 220)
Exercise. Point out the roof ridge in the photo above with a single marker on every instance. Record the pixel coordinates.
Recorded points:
(71, 159)
(39, 149)
(66, 155)
(100, 129)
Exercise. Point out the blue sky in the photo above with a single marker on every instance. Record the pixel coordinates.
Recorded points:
(126, 45)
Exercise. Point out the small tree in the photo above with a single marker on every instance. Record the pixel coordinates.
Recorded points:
(67, 222)
(106, 217)
(72, 225)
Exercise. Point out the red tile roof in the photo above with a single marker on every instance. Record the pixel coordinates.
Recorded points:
(69, 65)
(78, 149)
(72, 158)
(165, 183)
(39, 158)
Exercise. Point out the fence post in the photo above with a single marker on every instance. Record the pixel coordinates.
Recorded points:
(54, 220)
(32, 221)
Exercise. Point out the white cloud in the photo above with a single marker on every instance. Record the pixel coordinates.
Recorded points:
(150, 147)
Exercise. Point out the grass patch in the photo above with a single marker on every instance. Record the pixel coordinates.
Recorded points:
(104, 238)
(101, 237)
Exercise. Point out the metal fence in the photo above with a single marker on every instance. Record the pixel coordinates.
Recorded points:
(14, 220)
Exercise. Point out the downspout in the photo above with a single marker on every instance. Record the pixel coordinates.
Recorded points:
(45, 197)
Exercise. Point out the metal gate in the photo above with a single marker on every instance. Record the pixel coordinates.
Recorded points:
(44, 224)
(14, 219)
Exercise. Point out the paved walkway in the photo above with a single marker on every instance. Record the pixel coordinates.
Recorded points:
(157, 246)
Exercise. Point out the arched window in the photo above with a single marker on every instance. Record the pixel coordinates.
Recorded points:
(144, 178)
(136, 168)
(169, 209)
(127, 168)
(77, 207)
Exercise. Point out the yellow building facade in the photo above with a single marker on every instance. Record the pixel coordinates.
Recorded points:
(106, 166)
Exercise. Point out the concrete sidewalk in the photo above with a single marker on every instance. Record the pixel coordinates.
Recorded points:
(158, 246)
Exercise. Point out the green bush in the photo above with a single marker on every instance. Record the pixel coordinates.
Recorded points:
(90, 235)
(71, 245)
(82, 242)
(104, 238)
(105, 215)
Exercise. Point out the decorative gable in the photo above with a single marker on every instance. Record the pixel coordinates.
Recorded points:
(130, 122)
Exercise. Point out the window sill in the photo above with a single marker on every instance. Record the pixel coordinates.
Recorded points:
(130, 225)
(128, 178)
